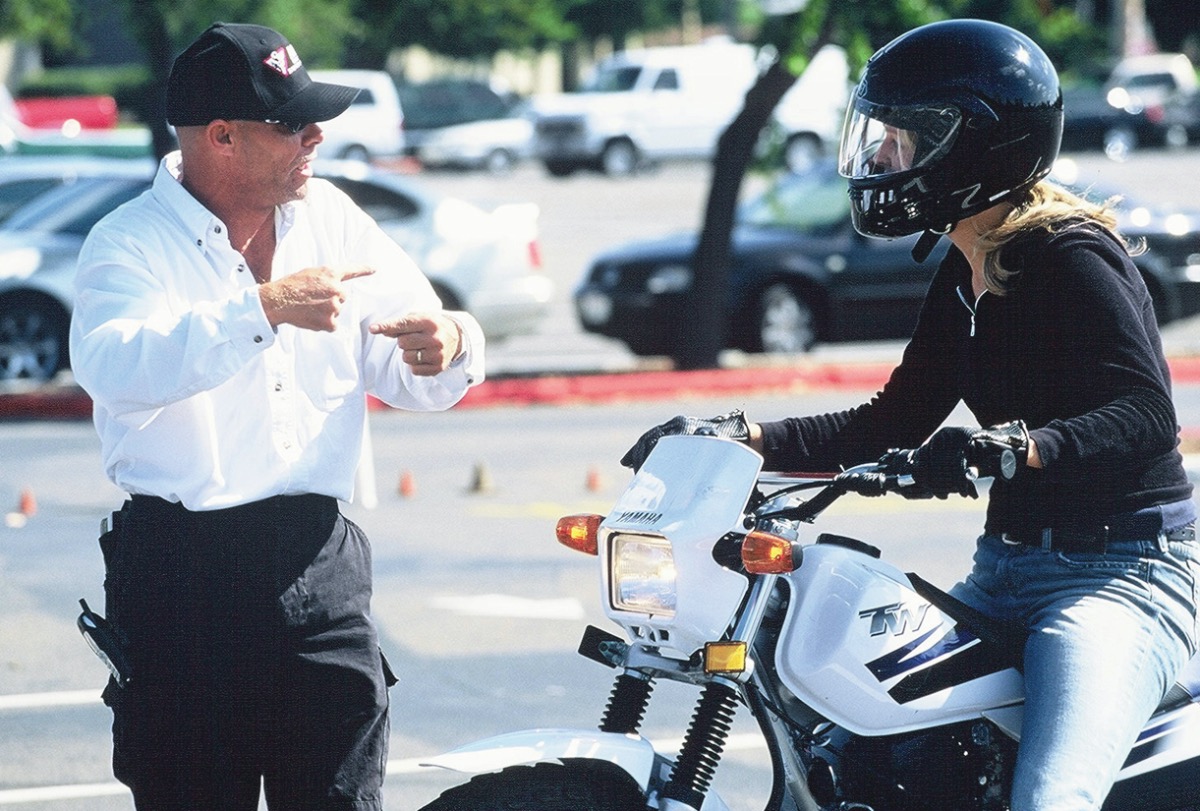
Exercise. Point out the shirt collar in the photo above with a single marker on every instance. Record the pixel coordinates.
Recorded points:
(201, 224)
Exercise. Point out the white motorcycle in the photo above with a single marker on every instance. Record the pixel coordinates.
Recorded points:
(873, 689)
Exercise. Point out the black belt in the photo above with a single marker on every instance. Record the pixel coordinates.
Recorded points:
(1095, 540)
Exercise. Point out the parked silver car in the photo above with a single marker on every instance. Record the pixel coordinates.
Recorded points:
(493, 144)
(485, 262)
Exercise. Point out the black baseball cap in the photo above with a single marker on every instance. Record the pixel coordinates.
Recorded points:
(242, 72)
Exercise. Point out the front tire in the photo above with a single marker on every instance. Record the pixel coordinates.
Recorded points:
(573, 785)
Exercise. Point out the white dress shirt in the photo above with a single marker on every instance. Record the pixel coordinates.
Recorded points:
(196, 398)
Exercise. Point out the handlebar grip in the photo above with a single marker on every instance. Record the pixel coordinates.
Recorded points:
(992, 458)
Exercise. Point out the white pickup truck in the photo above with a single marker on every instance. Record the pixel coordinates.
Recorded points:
(647, 105)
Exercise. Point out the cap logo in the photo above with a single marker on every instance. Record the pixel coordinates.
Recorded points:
(284, 61)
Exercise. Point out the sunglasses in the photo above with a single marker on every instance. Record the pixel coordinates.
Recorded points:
(293, 128)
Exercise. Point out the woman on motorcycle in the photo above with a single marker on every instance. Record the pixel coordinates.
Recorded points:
(1040, 323)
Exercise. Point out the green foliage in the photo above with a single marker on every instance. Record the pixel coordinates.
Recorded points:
(473, 28)
(864, 26)
(38, 20)
(317, 28)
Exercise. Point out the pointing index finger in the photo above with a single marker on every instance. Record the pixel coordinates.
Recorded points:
(356, 271)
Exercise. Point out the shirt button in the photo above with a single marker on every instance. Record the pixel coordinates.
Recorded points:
(278, 387)
(258, 339)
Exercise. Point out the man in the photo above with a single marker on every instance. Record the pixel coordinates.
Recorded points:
(229, 324)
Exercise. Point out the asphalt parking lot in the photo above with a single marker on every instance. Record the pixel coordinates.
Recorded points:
(470, 668)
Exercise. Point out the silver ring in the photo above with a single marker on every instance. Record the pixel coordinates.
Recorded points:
(418, 356)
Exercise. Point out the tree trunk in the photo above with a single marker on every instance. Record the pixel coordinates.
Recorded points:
(703, 329)
(146, 19)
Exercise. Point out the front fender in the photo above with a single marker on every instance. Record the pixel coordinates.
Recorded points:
(632, 753)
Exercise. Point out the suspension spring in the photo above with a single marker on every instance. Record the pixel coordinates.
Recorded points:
(702, 747)
(627, 704)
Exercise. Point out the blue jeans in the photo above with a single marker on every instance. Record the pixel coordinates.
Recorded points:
(1107, 636)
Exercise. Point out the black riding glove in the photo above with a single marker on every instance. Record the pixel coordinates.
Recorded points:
(949, 461)
(940, 465)
(732, 426)
(990, 443)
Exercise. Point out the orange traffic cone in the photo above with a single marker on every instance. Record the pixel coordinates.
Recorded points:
(595, 482)
(27, 506)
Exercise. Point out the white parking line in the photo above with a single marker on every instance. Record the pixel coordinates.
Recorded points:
(46, 794)
(37, 701)
(507, 605)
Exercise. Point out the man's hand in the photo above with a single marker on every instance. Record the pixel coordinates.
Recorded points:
(310, 299)
(430, 341)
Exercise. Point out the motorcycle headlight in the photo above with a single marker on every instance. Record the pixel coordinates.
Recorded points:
(643, 575)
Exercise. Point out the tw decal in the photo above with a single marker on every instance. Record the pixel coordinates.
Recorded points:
(284, 61)
(896, 619)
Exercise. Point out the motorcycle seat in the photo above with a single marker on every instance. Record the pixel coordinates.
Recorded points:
(1186, 687)
(1006, 640)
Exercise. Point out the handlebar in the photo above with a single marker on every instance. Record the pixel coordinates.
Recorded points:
(893, 473)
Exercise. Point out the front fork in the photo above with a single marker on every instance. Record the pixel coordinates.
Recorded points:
(712, 719)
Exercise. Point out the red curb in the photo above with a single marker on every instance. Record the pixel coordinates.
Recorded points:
(665, 385)
(73, 403)
(55, 404)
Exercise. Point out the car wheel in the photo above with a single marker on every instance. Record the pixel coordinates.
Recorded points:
(356, 152)
(619, 159)
(786, 323)
(1119, 142)
(33, 338)
(499, 162)
(802, 151)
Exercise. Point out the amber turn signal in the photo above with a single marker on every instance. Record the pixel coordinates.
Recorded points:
(579, 532)
(764, 553)
(724, 657)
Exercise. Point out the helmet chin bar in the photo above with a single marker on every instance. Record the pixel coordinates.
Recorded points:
(929, 238)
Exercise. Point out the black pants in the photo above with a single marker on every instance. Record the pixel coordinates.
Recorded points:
(253, 655)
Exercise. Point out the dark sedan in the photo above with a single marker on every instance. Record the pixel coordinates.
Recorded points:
(801, 275)
(1118, 123)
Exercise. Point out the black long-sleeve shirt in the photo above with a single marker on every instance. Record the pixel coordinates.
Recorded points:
(1073, 350)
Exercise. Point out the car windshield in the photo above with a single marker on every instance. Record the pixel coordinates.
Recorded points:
(444, 103)
(74, 207)
(814, 203)
(613, 80)
(16, 193)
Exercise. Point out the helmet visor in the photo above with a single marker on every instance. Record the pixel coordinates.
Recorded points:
(878, 141)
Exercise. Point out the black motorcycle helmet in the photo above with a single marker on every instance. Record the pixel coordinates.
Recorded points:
(948, 120)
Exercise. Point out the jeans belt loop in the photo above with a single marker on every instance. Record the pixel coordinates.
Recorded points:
(1047, 539)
